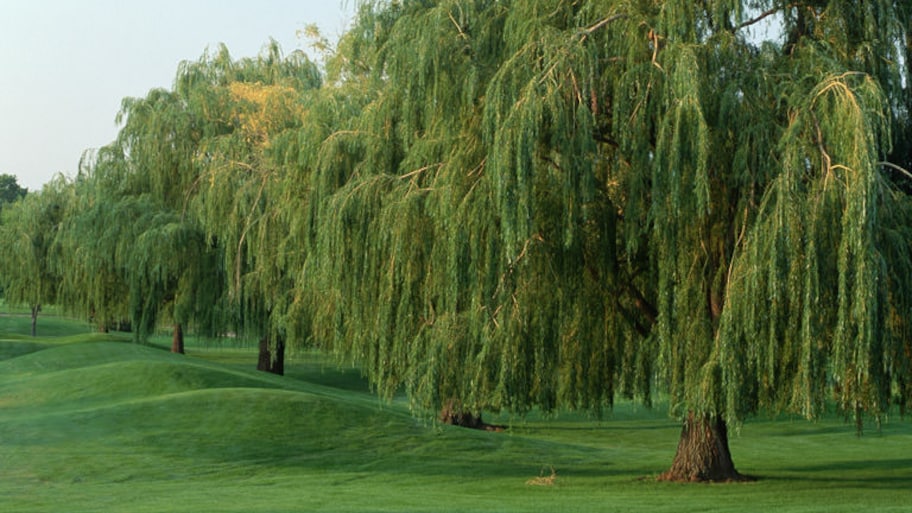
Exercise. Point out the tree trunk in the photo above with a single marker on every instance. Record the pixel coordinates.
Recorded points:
(269, 362)
(264, 362)
(35, 310)
(278, 363)
(177, 342)
(703, 453)
(455, 414)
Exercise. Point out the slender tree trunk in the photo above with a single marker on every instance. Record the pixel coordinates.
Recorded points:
(278, 363)
(703, 453)
(177, 342)
(35, 310)
(264, 362)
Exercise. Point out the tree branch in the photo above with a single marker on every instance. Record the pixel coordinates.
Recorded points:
(638, 326)
(896, 168)
(586, 32)
(248, 223)
(603, 22)
(824, 154)
(462, 33)
(762, 17)
(420, 170)
(642, 304)
(604, 138)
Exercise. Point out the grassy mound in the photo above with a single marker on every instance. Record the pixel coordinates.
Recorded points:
(94, 423)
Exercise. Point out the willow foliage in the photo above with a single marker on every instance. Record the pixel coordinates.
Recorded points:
(259, 103)
(173, 220)
(546, 203)
(518, 204)
(90, 246)
(411, 246)
(28, 228)
(828, 255)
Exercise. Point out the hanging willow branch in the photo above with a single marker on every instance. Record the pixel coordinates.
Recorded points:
(896, 168)
(248, 223)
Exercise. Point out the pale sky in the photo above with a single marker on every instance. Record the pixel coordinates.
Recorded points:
(65, 65)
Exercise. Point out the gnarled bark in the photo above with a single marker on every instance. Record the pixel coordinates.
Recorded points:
(703, 453)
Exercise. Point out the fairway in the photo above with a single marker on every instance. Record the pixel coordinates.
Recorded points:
(640, 244)
(94, 423)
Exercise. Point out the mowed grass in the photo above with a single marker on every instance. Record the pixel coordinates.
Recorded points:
(93, 422)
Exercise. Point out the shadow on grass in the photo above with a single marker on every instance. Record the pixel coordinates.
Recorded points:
(810, 429)
(620, 425)
(13, 348)
(904, 464)
(882, 474)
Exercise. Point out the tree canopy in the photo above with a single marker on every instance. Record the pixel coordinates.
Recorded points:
(507, 205)
(550, 203)
(10, 190)
(28, 229)
(541, 199)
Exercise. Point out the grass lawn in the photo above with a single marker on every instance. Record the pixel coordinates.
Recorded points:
(93, 422)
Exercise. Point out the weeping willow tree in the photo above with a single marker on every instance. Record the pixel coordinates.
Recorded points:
(27, 231)
(240, 186)
(91, 247)
(133, 248)
(416, 269)
(125, 259)
(386, 185)
(173, 219)
(159, 141)
(550, 204)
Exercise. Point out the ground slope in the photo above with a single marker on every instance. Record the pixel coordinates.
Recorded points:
(79, 415)
(94, 423)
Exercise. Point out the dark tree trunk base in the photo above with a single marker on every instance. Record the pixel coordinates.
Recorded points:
(266, 362)
(35, 310)
(177, 341)
(454, 415)
(703, 454)
(278, 363)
